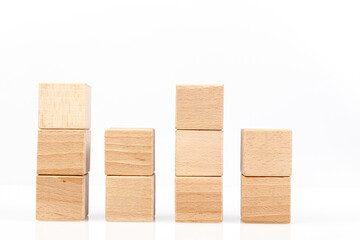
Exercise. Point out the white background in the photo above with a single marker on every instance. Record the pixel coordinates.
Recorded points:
(284, 64)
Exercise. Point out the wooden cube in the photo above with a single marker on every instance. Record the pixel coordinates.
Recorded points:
(62, 197)
(198, 199)
(265, 199)
(266, 152)
(64, 105)
(129, 151)
(63, 152)
(199, 107)
(130, 198)
(199, 153)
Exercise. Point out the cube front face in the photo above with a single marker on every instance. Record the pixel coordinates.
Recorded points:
(130, 198)
(265, 199)
(198, 199)
(199, 153)
(64, 106)
(129, 152)
(199, 107)
(266, 152)
(63, 152)
(62, 198)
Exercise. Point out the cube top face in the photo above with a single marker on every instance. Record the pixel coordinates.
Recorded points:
(62, 198)
(64, 106)
(198, 199)
(199, 107)
(130, 198)
(265, 199)
(266, 152)
(199, 153)
(129, 151)
(63, 152)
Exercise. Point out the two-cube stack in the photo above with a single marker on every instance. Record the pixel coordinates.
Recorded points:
(266, 159)
(130, 180)
(199, 153)
(63, 158)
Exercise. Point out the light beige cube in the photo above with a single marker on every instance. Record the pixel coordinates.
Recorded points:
(198, 199)
(199, 153)
(130, 198)
(63, 152)
(64, 106)
(266, 152)
(265, 199)
(199, 107)
(62, 198)
(129, 151)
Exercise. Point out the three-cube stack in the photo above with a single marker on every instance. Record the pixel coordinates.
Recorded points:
(266, 159)
(199, 153)
(130, 180)
(63, 157)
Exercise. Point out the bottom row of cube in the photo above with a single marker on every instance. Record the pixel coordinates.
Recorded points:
(265, 199)
(62, 197)
(132, 198)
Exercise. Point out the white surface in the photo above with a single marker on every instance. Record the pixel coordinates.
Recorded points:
(324, 213)
(285, 64)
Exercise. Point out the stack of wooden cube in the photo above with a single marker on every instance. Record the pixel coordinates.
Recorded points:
(130, 178)
(63, 158)
(199, 153)
(266, 159)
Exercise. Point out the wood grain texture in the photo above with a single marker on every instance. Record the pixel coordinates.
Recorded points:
(62, 198)
(63, 152)
(130, 198)
(198, 199)
(199, 153)
(64, 105)
(199, 107)
(265, 199)
(129, 151)
(266, 152)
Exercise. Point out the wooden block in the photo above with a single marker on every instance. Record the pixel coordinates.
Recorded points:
(63, 152)
(64, 105)
(265, 199)
(130, 198)
(199, 107)
(198, 153)
(62, 197)
(129, 151)
(266, 152)
(198, 199)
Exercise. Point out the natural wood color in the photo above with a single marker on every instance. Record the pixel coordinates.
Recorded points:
(199, 153)
(64, 105)
(199, 107)
(265, 199)
(266, 152)
(62, 197)
(63, 152)
(130, 198)
(198, 199)
(129, 151)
